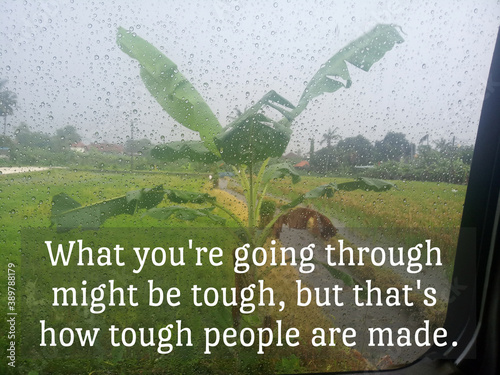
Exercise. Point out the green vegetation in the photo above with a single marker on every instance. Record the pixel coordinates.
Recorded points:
(413, 210)
(393, 158)
(27, 203)
(8, 101)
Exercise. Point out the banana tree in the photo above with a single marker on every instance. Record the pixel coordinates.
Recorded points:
(247, 143)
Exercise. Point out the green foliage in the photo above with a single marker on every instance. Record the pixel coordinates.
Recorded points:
(325, 160)
(138, 146)
(280, 170)
(65, 137)
(8, 101)
(394, 146)
(356, 150)
(289, 365)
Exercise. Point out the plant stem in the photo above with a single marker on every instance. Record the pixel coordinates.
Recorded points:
(251, 200)
(257, 186)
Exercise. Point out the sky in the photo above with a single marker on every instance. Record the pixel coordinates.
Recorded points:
(62, 61)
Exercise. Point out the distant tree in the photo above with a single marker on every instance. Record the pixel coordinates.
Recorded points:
(65, 137)
(445, 147)
(8, 101)
(325, 160)
(355, 151)
(138, 146)
(465, 154)
(394, 146)
(25, 137)
(330, 136)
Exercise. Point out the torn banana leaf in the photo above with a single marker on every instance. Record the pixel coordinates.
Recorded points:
(362, 53)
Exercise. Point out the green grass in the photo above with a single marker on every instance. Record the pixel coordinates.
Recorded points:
(25, 202)
(415, 210)
(25, 205)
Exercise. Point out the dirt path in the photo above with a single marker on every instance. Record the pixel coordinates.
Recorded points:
(350, 315)
(12, 170)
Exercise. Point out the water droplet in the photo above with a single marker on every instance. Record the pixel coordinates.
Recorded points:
(237, 7)
(275, 5)
(89, 25)
(424, 66)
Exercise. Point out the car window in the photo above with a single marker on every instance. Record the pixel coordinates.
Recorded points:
(282, 182)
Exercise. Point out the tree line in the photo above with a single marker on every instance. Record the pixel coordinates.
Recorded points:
(393, 157)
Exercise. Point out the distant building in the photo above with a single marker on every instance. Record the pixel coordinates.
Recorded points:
(304, 164)
(78, 147)
(291, 156)
(105, 148)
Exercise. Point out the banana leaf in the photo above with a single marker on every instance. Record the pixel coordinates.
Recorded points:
(254, 136)
(67, 214)
(192, 150)
(324, 190)
(178, 196)
(184, 213)
(362, 53)
(362, 183)
(280, 170)
(176, 95)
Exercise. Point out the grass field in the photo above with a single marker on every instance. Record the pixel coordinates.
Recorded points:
(412, 211)
(26, 203)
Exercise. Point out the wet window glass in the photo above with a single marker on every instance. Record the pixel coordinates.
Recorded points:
(235, 187)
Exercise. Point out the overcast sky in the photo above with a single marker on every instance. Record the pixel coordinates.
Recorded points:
(62, 61)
